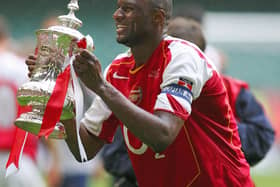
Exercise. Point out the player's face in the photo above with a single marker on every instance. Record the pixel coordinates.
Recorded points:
(133, 21)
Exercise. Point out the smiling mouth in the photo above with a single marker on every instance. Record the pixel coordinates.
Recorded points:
(120, 28)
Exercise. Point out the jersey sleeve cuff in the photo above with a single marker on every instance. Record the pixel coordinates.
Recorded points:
(173, 104)
(97, 120)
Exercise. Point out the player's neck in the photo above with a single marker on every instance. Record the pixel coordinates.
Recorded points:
(143, 51)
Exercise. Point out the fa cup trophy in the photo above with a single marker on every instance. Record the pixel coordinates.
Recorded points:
(55, 47)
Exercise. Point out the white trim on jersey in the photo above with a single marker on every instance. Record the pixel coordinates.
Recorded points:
(95, 116)
(185, 64)
(162, 103)
(97, 113)
(106, 71)
(127, 53)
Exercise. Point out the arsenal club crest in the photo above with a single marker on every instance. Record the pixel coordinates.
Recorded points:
(135, 95)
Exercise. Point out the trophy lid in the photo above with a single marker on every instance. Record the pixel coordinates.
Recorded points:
(70, 20)
(68, 24)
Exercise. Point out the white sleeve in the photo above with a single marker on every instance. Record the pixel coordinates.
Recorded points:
(97, 114)
(183, 78)
(106, 71)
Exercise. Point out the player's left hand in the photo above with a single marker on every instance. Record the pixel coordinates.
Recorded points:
(88, 69)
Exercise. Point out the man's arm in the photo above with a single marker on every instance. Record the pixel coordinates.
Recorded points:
(255, 130)
(91, 143)
(157, 131)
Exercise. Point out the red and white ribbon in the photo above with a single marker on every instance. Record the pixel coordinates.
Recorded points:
(84, 43)
(13, 163)
(55, 103)
(53, 111)
(79, 103)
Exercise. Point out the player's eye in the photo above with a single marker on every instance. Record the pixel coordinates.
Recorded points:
(127, 9)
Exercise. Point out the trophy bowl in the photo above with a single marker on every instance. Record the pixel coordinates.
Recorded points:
(55, 46)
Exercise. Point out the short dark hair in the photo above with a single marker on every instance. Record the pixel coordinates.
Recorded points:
(166, 5)
(187, 29)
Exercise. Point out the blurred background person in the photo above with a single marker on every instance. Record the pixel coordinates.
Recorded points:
(117, 162)
(196, 12)
(13, 73)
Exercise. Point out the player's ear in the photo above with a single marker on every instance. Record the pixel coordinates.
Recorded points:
(159, 16)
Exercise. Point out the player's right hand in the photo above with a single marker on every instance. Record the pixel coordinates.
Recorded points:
(30, 62)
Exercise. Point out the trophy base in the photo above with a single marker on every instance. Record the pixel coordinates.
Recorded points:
(31, 122)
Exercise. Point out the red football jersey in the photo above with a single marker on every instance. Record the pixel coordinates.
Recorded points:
(13, 73)
(178, 79)
(234, 87)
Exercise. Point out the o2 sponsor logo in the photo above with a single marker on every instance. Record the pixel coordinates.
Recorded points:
(142, 149)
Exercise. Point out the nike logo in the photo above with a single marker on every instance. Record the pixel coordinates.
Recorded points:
(116, 76)
(159, 156)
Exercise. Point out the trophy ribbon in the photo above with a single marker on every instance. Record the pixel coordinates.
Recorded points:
(13, 162)
(84, 43)
(79, 103)
(55, 104)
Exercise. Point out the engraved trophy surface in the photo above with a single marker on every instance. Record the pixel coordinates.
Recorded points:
(55, 46)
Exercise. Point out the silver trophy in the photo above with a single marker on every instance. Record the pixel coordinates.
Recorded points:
(55, 46)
